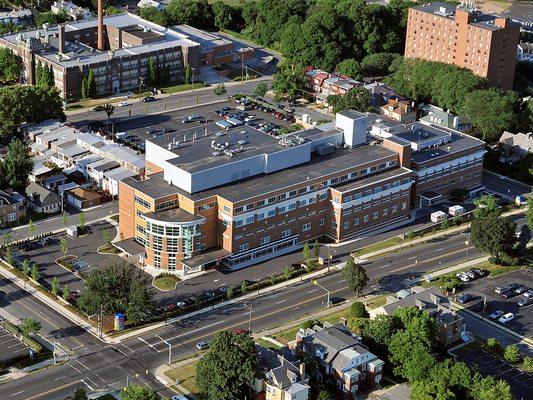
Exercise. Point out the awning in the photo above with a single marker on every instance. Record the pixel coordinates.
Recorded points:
(130, 246)
(206, 258)
(431, 195)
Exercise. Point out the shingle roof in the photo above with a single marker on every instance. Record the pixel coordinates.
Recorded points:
(40, 196)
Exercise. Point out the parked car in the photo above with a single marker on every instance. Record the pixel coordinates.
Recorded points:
(529, 293)
(336, 300)
(98, 108)
(123, 104)
(506, 318)
(479, 272)
(181, 304)
(151, 130)
(180, 397)
(202, 345)
(470, 274)
(148, 99)
(241, 332)
(463, 277)
(520, 289)
(192, 118)
(524, 301)
(496, 314)
(464, 298)
(508, 294)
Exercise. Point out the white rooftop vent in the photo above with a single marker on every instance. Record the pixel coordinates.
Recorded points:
(241, 142)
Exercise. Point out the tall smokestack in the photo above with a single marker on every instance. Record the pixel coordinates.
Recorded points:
(101, 25)
(61, 38)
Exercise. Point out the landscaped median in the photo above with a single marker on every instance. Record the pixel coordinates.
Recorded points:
(165, 282)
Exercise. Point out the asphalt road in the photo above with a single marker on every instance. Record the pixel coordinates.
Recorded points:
(137, 108)
(505, 187)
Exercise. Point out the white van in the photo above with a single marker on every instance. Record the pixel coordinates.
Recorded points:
(438, 216)
(454, 211)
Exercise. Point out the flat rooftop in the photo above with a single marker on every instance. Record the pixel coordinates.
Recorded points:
(199, 154)
(207, 40)
(346, 187)
(341, 159)
(173, 215)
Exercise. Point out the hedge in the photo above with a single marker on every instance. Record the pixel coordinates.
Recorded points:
(15, 330)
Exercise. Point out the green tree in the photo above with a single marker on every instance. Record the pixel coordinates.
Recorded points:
(226, 16)
(492, 111)
(287, 273)
(107, 236)
(316, 249)
(356, 99)
(306, 252)
(261, 89)
(135, 392)
(109, 109)
(528, 363)
(227, 368)
(230, 293)
(112, 10)
(493, 235)
(50, 79)
(64, 218)
(488, 388)
(31, 227)
(26, 267)
(512, 354)
(154, 15)
(18, 165)
(80, 393)
(288, 80)
(410, 356)
(55, 286)
(65, 293)
(63, 244)
(377, 63)
(350, 67)
(151, 72)
(431, 390)
(486, 204)
(6, 240)
(30, 326)
(244, 287)
(494, 345)
(10, 66)
(29, 104)
(10, 258)
(91, 84)
(39, 74)
(323, 395)
(198, 13)
(219, 90)
(118, 288)
(355, 275)
(35, 274)
(81, 221)
(188, 74)
(358, 310)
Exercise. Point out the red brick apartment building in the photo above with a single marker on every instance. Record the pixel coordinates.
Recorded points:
(460, 35)
(242, 197)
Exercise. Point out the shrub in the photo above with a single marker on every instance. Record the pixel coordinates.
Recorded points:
(309, 323)
(528, 363)
(493, 345)
(358, 310)
(512, 354)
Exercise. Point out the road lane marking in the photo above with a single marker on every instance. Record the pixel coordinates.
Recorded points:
(296, 308)
(150, 345)
(412, 258)
(55, 390)
(83, 365)
(198, 329)
(14, 394)
(77, 370)
(281, 301)
(442, 248)
(341, 281)
(311, 291)
(127, 347)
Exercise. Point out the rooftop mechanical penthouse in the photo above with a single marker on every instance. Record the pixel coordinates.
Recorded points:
(242, 197)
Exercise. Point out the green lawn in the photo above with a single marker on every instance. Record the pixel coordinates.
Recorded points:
(267, 344)
(185, 375)
(108, 248)
(180, 87)
(380, 245)
(167, 282)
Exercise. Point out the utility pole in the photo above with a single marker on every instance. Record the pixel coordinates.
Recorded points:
(101, 319)
(315, 282)
(329, 256)
(54, 353)
(249, 316)
(169, 349)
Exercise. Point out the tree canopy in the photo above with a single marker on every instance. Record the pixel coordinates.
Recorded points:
(10, 65)
(493, 234)
(228, 367)
(356, 99)
(16, 166)
(29, 104)
(355, 275)
(135, 392)
(118, 288)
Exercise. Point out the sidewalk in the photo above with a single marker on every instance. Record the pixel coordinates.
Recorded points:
(165, 380)
(55, 305)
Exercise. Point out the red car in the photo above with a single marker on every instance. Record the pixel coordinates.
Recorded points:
(241, 332)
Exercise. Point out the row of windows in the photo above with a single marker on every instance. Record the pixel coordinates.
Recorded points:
(375, 215)
(142, 202)
(368, 192)
(166, 204)
(307, 189)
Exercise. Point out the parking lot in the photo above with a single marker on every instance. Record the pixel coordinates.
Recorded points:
(133, 132)
(10, 346)
(483, 288)
(519, 381)
(45, 252)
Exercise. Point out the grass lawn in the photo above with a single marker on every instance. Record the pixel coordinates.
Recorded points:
(286, 336)
(167, 282)
(185, 375)
(377, 302)
(180, 87)
(109, 249)
(393, 241)
(267, 344)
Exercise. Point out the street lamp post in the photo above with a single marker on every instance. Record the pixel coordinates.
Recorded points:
(467, 243)
(192, 79)
(315, 282)
(54, 353)
(329, 256)
(169, 349)
(249, 316)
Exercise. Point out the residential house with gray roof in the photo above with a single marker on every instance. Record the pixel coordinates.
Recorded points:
(42, 200)
(342, 359)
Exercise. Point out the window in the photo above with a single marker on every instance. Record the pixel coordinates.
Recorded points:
(394, 209)
(142, 202)
(404, 205)
(375, 215)
(282, 209)
(347, 199)
(306, 227)
(336, 199)
(292, 206)
(249, 220)
(238, 222)
(250, 207)
(321, 221)
(346, 225)
(260, 203)
(271, 213)
(302, 190)
(265, 240)
(227, 209)
(166, 204)
(323, 196)
(260, 216)
(312, 200)
(271, 200)
(334, 225)
(348, 211)
(365, 218)
(356, 221)
(282, 196)
(285, 233)
(238, 210)
(244, 247)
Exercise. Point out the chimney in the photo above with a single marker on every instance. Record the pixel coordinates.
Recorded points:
(61, 39)
(302, 371)
(101, 25)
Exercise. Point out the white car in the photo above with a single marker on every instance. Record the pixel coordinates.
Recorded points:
(496, 314)
(463, 277)
(249, 118)
(470, 274)
(180, 397)
(506, 318)
(123, 104)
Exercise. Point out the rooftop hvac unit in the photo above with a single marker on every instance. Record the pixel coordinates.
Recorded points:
(324, 149)
(241, 142)
(218, 134)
